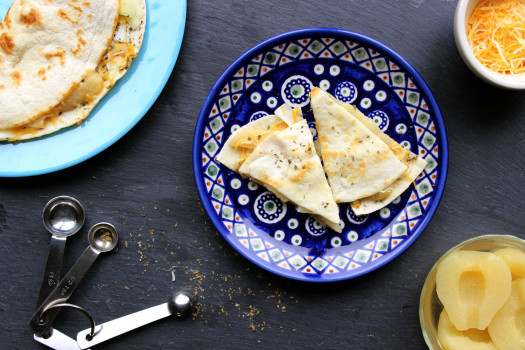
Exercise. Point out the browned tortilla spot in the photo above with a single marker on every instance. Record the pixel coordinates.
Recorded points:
(6, 43)
(80, 42)
(75, 7)
(6, 23)
(17, 77)
(62, 14)
(59, 53)
(30, 18)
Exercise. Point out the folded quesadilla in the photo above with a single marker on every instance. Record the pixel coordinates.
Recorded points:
(386, 196)
(243, 141)
(59, 58)
(358, 162)
(286, 163)
(414, 165)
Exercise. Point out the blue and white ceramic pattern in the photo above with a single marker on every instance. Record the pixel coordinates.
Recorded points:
(355, 69)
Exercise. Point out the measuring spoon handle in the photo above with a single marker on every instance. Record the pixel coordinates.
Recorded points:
(52, 269)
(122, 325)
(62, 292)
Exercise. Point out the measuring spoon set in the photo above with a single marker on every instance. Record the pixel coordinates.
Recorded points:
(64, 216)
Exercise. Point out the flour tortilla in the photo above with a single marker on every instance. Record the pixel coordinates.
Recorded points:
(386, 196)
(358, 162)
(243, 141)
(286, 163)
(414, 163)
(67, 58)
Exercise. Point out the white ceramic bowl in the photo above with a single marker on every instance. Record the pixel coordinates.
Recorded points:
(463, 11)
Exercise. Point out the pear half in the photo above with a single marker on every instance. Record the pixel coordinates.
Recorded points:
(473, 286)
(507, 328)
(452, 339)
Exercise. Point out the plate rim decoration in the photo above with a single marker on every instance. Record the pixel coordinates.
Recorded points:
(117, 113)
(324, 268)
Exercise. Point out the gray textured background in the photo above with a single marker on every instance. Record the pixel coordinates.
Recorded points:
(144, 184)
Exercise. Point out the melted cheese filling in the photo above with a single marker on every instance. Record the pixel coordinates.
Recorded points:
(247, 144)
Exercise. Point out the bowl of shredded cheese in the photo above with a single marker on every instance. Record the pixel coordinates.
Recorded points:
(490, 36)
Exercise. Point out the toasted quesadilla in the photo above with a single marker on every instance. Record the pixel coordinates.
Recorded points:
(415, 165)
(243, 141)
(59, 58)
(286, 163)
(358, 162)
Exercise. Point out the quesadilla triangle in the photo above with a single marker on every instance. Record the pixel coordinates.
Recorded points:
(414, 163)
(286, 163)
(357, 161)
(59, 58)
(243, 141)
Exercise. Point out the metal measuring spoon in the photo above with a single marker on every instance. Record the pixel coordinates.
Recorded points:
(102, 237)
(63, 216)
(179, 305)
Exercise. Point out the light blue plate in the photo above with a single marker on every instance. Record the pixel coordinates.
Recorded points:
(122, 108)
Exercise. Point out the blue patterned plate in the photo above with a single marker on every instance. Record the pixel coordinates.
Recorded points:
(355, 69)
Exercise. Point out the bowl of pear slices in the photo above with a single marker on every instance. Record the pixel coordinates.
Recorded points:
(474, 296)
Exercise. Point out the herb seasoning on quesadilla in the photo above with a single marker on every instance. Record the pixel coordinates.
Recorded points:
(363, 164)
(278, 152)
(357, 162)
(286, 163)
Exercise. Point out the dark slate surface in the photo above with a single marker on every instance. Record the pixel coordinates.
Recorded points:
(144, 185)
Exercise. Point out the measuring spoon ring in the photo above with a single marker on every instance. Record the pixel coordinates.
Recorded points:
(63, 216)
(102, 237)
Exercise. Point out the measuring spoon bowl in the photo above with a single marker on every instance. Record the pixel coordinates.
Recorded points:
(103, 237)
(63, 216)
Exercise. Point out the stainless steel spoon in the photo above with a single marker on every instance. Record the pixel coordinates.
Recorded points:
(63, 216)
(102, 237)
(179, 305)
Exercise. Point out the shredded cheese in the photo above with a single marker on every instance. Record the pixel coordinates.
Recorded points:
(411, 180)
(496, 34)
(295, 111)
